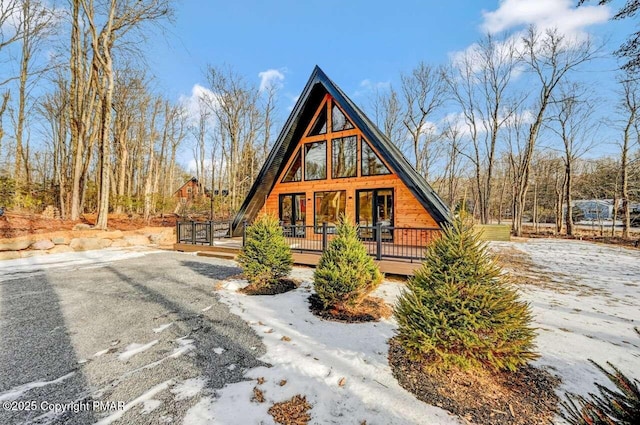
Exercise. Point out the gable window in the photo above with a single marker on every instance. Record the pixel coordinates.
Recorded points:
(328, 207)
(344, 157)
(315, 161)
(320, 126)
(372, 165)
(294, 174)
(339, 121)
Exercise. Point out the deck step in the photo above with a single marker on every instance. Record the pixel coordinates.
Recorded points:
(214, 254)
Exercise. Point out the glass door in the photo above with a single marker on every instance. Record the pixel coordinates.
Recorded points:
(293, 214)
(373, 207)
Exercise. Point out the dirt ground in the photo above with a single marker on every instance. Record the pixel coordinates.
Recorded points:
(14, 225)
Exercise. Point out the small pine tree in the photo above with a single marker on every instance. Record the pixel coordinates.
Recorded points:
(345, 274)
(610, 407)
(266, 256)
(459, 310)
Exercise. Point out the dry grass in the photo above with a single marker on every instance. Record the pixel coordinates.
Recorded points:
(480, 397)
(371, 309)
(291, 412)
(283, 285)
(258, 395)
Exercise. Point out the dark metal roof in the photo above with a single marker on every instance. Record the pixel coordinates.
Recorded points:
(308, 102)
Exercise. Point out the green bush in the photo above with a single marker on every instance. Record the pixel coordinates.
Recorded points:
(345, 274)
(610, 407)
(460, 311)
(266, 256)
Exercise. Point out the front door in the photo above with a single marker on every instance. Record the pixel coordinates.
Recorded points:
(293, 214)
(373, 207)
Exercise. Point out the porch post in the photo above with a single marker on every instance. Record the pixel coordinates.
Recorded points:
(324, 236)
(244, 232)
(211, 232)
(378, 241)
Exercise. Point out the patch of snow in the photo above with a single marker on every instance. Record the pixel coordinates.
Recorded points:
(101, 353)
(141, 399)
(32, 266)
(202, 413)
(17, 392)
(189, 388)
(133, 349)
(162, 327)
(231, 367)
(588, 310)
(185, 345)
(149, 406)
(319, 354)
(207, 308)
(218, 350)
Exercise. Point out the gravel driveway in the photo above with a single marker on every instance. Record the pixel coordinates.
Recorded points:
(143, 336)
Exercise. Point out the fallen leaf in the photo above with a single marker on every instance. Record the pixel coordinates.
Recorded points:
(342, 381)
(285, 338)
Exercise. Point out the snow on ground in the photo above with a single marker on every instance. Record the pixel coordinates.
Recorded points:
(587, 310)
(25, 267)
(319, 355)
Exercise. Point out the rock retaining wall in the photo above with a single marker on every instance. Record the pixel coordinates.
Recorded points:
(83, 239)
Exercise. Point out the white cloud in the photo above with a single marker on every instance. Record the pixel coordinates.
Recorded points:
(271, 78)
(371, 87)
(201, 99)
(544, 14)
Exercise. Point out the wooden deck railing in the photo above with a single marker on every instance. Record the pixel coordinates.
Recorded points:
(382, 242)
(202, 232)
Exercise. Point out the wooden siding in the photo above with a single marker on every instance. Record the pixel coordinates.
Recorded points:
(407, 210)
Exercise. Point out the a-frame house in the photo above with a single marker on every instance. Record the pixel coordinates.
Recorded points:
(330, 159)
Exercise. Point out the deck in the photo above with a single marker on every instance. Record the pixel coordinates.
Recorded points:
(229, 248)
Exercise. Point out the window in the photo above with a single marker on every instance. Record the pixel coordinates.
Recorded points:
(339, 121)
(293, 213)
(320, 126)
(328, 207)
(294, 174)
(344, 157)
(315, 161)
(372, 165)
(375, 207)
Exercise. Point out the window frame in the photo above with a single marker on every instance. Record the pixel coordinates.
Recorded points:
(333, 162)
(326, 165)
(317, 227)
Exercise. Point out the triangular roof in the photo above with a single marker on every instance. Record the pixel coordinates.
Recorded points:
(310, 98)
(192, 179)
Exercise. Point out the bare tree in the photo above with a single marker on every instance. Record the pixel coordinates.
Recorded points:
(479, 82)
(36, 20)
(239, 121)
(423, 94)
(550, 57)
(388, 114)
(109, 22)
(629, 107)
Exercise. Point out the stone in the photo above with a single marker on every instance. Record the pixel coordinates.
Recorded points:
(137, 240)
(15, 245)
(59, 249)
(82, 226)
(9, 255)
(42, 244)
(60, 240)
(88, 244)
(28, 254)
(119, 243)
(115, 234)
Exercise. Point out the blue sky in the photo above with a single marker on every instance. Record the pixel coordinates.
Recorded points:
(354, 41)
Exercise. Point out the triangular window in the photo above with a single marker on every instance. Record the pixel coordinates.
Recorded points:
(372, 165)
(339, 121)
(320, 126)
(294, 174)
